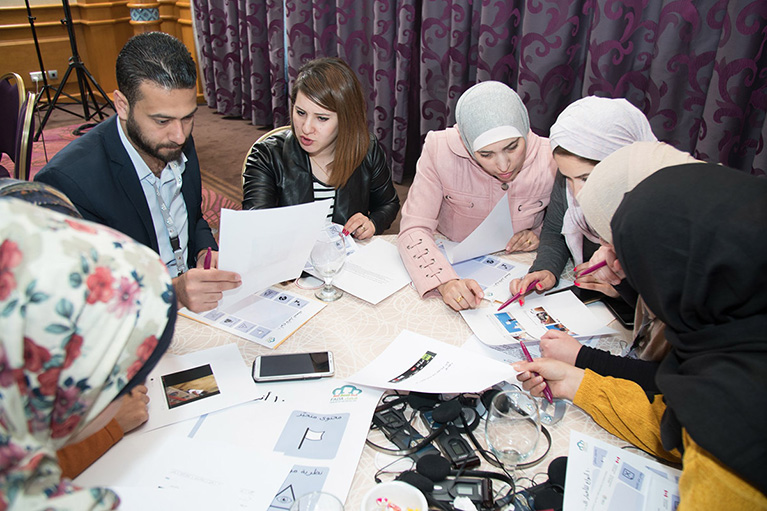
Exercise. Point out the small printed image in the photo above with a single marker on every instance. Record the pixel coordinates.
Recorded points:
(190, 385)
(558, 326)
(510, 324)
(543, 316)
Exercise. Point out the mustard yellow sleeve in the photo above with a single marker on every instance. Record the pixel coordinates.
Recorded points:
(707, 484)
(622, 408)
(75, 458)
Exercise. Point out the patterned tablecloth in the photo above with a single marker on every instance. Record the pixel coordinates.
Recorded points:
(357, 332)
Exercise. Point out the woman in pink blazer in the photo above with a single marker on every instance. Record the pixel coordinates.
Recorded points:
(461, 175)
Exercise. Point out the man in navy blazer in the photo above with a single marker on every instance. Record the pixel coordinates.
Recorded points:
(138, 172)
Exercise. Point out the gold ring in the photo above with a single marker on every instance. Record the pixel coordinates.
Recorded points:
(529, 242)
(362, 228)
(458, 300)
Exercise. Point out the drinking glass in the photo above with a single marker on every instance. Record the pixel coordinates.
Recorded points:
(512, 427)
(328, 257)
(317, 501)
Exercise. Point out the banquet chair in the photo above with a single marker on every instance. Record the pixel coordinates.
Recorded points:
(25, 130)
(12, 94)
(263, 137)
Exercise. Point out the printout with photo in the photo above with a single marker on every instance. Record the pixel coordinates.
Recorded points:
(267, 317)
(489, 237)
(415, 362)
(187, 386)
(510, 353)
(603, 477)
(267, 246)
(320, 426)
(529, 322)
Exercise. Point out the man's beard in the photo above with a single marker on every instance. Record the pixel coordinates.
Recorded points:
(164, 153)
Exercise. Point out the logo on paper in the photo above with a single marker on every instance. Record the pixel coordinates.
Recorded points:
(345, 394)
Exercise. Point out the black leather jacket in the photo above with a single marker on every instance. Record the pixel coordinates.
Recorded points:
(278, 173)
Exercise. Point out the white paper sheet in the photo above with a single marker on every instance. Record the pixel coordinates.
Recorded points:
(489, 237)
(267, 318)
(267, 246)
(415, 362)
(604, 477)
(159, 464)
(540, 313)
(188, 390)
(320, 426)
(374, 272)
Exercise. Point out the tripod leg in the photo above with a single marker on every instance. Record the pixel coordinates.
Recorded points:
(53, 102)
(101, 91)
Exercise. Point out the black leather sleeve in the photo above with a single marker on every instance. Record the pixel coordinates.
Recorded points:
(384, 202)
(262, 175)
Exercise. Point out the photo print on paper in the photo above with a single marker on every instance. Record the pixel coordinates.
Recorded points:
(190, 385)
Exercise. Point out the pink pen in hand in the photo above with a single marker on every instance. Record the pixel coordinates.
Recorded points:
(206, 261)
(591, 269)
(516, 296)
(546, 390)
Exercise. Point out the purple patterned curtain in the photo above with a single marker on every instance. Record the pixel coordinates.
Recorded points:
(698, 69)
(241, 53)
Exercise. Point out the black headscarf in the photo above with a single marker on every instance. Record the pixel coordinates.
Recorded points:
(692, 240)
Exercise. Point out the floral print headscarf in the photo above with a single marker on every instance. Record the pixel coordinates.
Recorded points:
(82, 311)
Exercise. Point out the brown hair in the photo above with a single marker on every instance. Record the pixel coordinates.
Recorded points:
(332, 84)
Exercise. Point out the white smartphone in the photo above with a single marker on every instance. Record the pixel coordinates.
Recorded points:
(293, 366)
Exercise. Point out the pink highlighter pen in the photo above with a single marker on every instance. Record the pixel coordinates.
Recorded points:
(206, 261)
(546, 390)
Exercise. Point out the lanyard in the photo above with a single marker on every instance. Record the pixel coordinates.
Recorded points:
(178, 252)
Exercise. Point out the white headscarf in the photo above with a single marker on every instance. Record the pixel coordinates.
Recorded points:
(489, 112)
(593, 128)
(84, 311)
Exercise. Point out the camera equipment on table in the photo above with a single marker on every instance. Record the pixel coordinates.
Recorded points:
(444, 478)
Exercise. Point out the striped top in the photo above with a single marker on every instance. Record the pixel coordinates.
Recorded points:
(324, 192)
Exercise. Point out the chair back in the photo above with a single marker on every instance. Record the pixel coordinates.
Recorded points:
(260, 139)
(25, 130)
(12, 93)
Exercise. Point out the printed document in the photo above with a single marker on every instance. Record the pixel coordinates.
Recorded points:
(489, 237)
(187, 386)
(267, 246)
(529, 322)
(374, 272)
(415, 362)
(603, 477)
(266, 318)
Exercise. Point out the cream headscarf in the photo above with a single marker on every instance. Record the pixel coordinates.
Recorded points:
(620, 173)
(86, 312)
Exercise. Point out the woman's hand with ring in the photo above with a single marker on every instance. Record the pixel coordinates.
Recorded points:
(360, 226)
(461, 294)
(523, 241)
